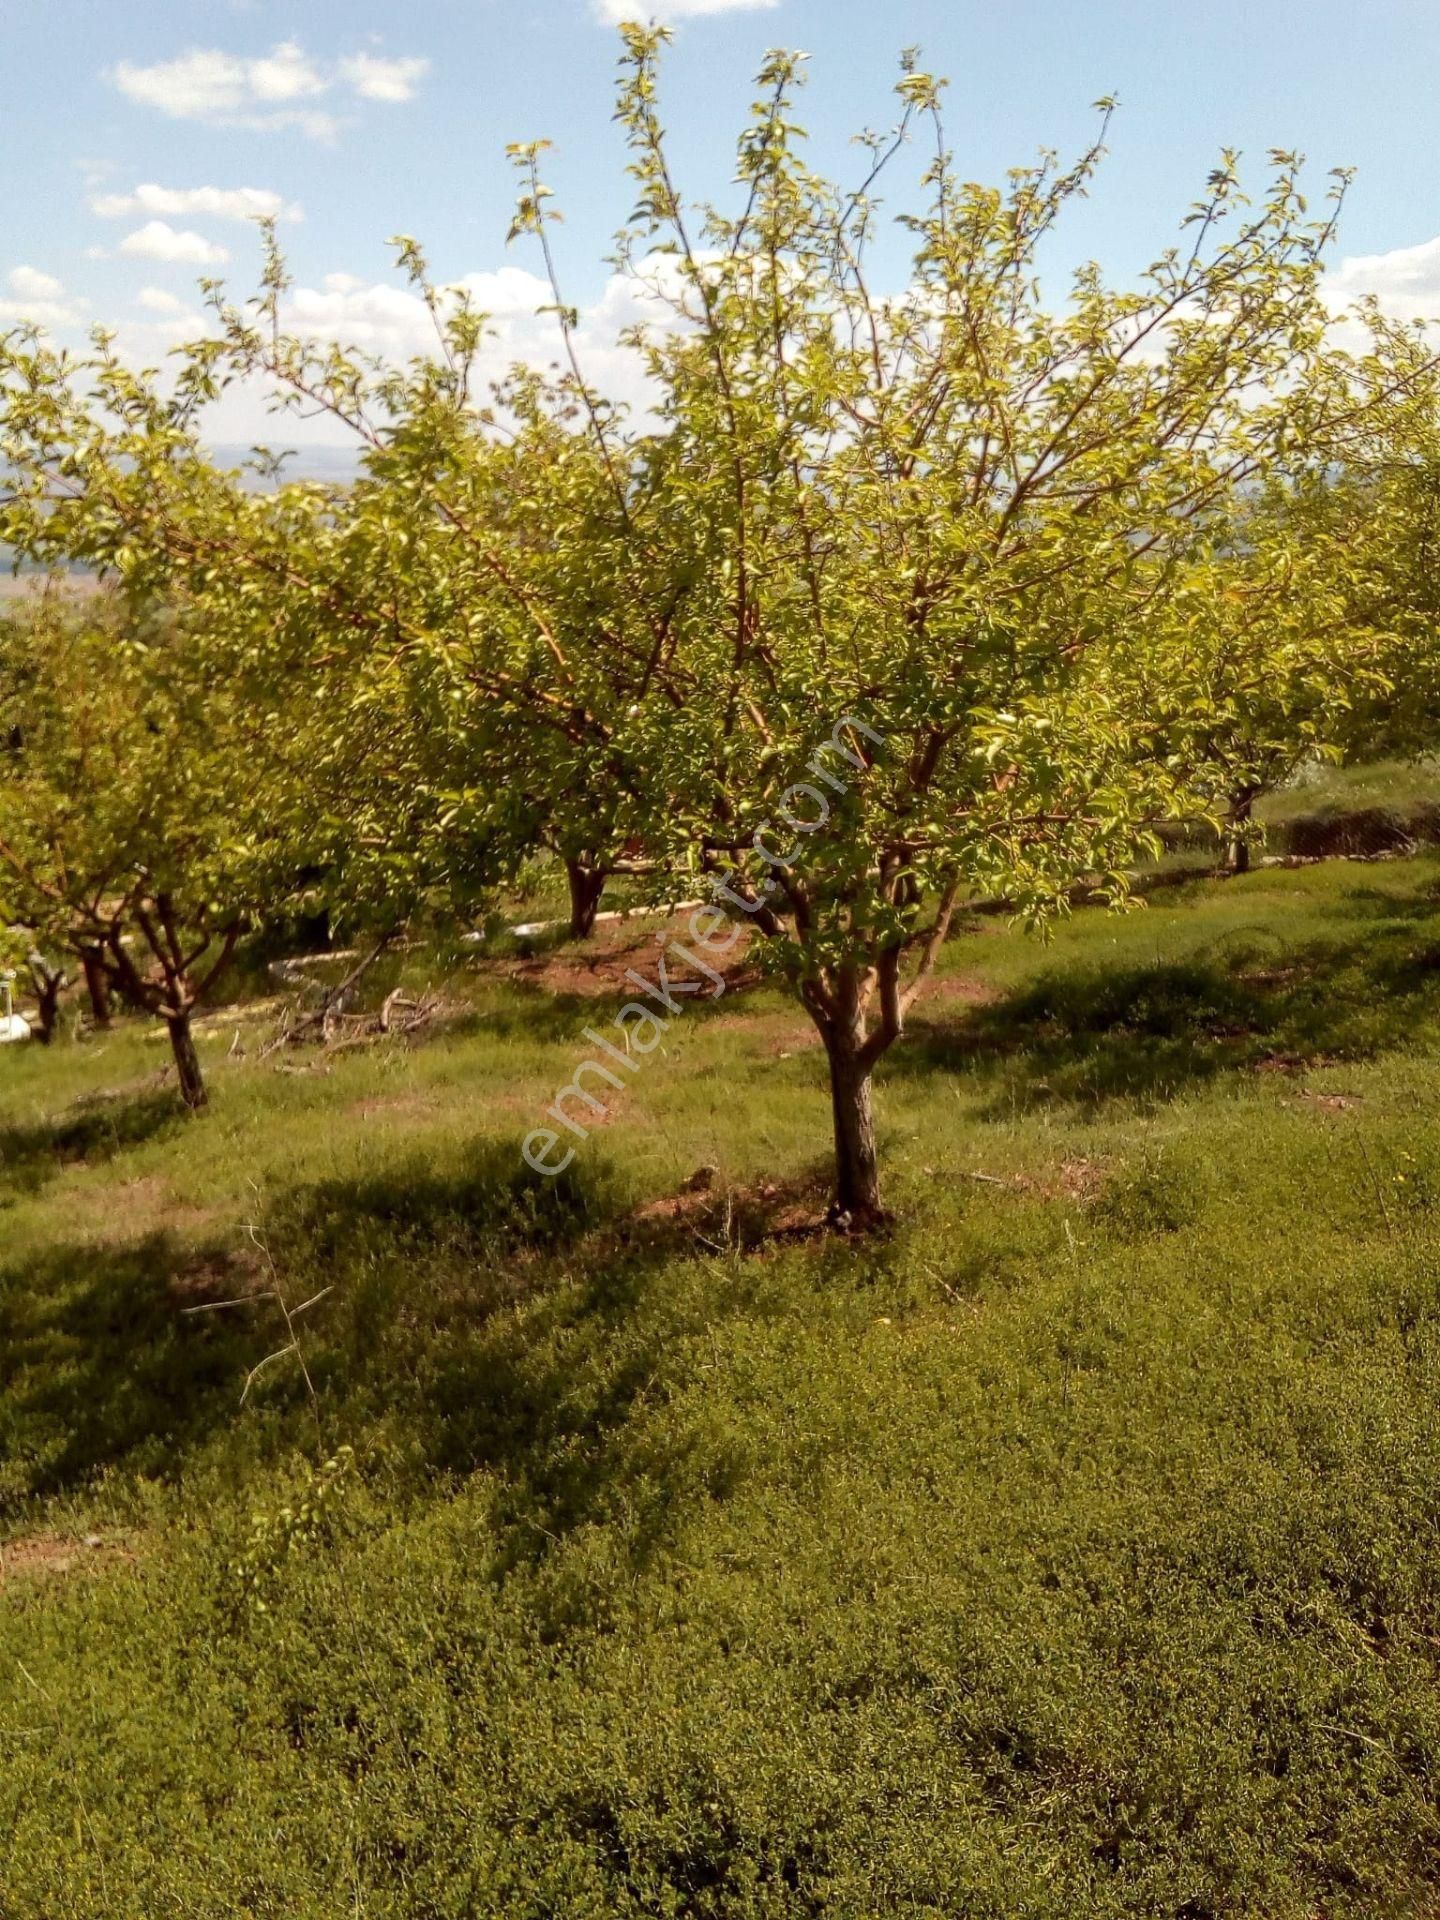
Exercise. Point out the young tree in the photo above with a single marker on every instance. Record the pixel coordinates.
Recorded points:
(1261, 660)
(138, 826)
(97, 984)
(844, 587)
(921, 520)
(296, 640)
(520, 518)
(47, 982)
(1383, 514)
(481, 549)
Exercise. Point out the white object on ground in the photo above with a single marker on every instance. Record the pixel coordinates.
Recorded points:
(13, 1026)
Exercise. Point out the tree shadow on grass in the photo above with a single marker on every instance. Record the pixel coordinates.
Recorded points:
(535, 1015)
(478, 1320)
(1370, 903)
(91, 1131)
(544, 1012)
(483, 1203)
(134, 1357)
(435, 1262)
(551, 1404)
(1086, 1036)
(101, 1365)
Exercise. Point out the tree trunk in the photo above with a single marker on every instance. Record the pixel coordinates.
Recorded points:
(47, 1003)
(97, 986)
(586, 886)
(187, 1061)
(857, 1166)
(1237, 852)
(47, 983)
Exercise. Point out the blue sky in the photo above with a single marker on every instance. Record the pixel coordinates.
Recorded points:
(134, 137)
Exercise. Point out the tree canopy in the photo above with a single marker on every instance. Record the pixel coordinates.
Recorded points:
(883, 599)
(139, 830)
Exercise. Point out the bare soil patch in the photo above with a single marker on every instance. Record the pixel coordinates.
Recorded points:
(1330, 1102)
(215, 1277)
(1079, 1179)
(129, 1210)
(748, 1219)
(393, 1106)
(619, 948)
(955, 989)
(40, 1556)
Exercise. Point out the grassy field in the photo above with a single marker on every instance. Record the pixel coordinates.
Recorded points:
(1404, 786)
(614, 1549)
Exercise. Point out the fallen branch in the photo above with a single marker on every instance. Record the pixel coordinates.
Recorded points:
(294, 1033)
(400, 1017)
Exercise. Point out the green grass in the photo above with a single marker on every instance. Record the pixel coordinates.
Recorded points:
(1071, 1551)
(1402, 786)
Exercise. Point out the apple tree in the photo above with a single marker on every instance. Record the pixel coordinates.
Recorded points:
(144, 822)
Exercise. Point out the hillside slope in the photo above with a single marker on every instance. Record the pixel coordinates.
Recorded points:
(626, 1548)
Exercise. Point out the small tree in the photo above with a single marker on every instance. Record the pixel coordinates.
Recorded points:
(97, 984)
(138, 827)
(844, 591)
(1260, 659)
(295, 643)
(1383, 515)
(923, 523)
(484, 548)
(47, 982)
(20, 958)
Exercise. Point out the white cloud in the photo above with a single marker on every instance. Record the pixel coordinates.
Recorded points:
(1406, 282)
(216, 203)
(612, 12)
(158, 240)
(274, 91)
(159, 300)
(388, 320)
(375, 78)
(391, 321)
(146, 342)
(31, 284)
(285, 74)
(203, 84)
(380, 318)
(39, 299)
